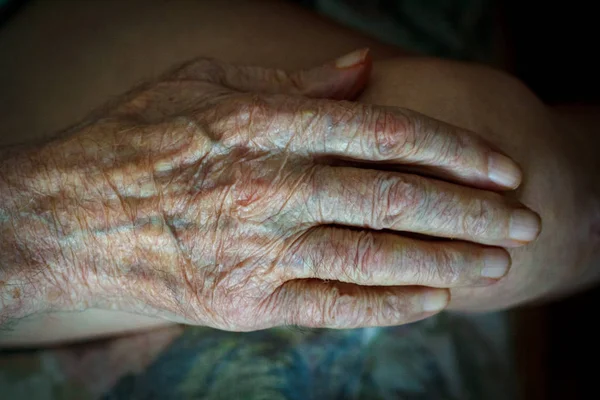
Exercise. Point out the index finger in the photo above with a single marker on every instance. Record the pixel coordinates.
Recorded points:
(378, 135)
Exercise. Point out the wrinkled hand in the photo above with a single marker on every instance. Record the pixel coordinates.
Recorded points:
(239, 198)
(559, 163)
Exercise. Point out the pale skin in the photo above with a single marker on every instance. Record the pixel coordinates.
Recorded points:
(221, 196)
(465, 275)
(554, 146)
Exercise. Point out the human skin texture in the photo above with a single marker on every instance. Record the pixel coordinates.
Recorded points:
(237, 198)
(86, 66)
(555, 148)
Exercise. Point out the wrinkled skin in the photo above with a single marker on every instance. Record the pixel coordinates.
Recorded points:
(558, 155)
(231, 197)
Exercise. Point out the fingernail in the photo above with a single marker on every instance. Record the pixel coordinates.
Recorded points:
(524, 225)
(435, 300)
(503, 171)
(496, 263)
(351, 59)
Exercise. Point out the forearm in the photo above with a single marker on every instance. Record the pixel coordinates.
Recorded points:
(67, 244)
(82, 225)
(60, 224)
(37, 264)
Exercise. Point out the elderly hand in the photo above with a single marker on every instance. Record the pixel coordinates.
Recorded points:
(240, 198)
(558, 156)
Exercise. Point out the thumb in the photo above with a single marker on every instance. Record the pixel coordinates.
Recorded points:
(341, 79)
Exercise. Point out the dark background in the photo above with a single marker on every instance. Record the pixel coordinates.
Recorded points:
(554, 48)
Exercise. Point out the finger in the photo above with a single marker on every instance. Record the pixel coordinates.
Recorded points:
(380, 136)
(384, 259)
(319, 304)
(343, 78)
(411, 203)
(205, 80)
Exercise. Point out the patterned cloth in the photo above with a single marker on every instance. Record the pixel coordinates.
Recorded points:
(445, 357)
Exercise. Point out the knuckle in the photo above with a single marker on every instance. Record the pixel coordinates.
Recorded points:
(202, 68)
(395, 197)
(478, 219)
(394, 308)
(342, 309)
(328, 255)
(181, 143)
(367, 254)
(394, 133)
(240, 118)
(446, 268)
(447, 146)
